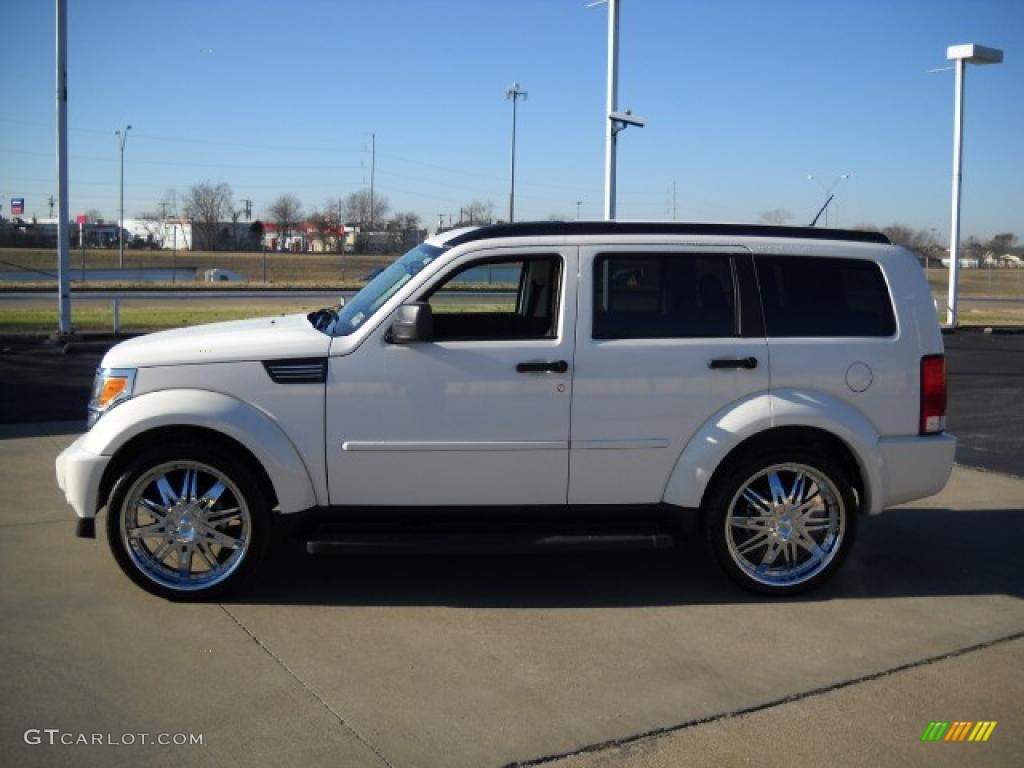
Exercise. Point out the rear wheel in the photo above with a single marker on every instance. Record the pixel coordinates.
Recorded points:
(782, 522)
(187, 523)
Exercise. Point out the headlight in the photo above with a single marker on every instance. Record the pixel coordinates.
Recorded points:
(110, 387)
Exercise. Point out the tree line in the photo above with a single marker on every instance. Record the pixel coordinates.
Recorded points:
(211, 207)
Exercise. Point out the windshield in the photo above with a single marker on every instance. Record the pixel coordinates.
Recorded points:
(375, 293)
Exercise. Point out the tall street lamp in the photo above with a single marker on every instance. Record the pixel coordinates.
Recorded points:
(122, 139)
(515, 93)
(829, 190)
(961, 55)
(617, 121)
(63, 250)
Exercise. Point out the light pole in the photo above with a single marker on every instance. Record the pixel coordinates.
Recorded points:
(828, 194)
(616, 121)
(63, 235)
(961, 55)
(122, 139)
(579, 204)
(515, 93)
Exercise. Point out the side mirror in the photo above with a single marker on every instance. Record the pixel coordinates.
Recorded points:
(413, 322)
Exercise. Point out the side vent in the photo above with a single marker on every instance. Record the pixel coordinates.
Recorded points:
(306, 370)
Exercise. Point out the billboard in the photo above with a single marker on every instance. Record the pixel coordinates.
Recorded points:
(17, 206)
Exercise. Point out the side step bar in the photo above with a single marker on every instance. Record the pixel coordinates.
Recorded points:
(335, 541)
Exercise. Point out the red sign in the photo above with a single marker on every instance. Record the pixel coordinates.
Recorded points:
(81, 219)
(17, 206)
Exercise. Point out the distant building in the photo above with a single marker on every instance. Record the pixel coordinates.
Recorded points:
(166, 233)
(964, 263)
(305, 237)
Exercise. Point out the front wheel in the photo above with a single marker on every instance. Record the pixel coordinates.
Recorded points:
(186, 522)
(782, 522)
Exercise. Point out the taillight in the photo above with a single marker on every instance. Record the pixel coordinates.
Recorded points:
(933, 394)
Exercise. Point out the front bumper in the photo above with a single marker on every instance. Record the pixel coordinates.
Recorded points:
(914, 467)
(79, 473)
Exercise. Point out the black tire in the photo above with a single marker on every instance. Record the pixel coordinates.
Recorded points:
(241, 482)
(838, 502)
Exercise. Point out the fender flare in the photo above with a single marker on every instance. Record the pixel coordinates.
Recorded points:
(215, 411)
(747, 417)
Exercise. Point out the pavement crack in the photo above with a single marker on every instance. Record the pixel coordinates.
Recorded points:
(657, 732)
(309, 689)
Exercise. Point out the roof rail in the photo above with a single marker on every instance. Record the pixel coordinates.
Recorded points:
(566, 228)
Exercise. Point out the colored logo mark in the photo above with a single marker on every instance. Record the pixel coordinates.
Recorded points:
(958, 730)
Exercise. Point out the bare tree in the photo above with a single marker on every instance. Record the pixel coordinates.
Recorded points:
(478, 212)
(776, 216)
(357, 209)
(405, 220)
(334, 211)
(325, 226)
(208, 204)
(286, 211)
(1001, 243)
(900, 234)
(973, 248)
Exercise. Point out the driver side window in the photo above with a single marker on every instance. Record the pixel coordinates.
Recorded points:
(498, 299)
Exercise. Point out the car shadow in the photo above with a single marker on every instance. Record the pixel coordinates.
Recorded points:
(903, 553)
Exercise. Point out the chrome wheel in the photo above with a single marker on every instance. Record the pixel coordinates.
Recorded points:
(785, 524)
(185, 525)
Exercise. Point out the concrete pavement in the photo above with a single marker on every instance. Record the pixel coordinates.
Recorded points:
(471, 661)
(868, 723)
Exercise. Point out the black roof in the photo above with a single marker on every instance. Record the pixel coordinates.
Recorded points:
(564, 228)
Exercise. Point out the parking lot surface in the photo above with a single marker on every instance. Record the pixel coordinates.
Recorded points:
(584, 660)
(471, 661)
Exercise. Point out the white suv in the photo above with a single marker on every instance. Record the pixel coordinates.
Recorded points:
(568, 385)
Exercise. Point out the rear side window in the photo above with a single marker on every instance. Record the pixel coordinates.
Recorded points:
(814, 296)
(663, 295)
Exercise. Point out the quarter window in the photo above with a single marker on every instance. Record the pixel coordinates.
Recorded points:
(817, 296)
(663, 295)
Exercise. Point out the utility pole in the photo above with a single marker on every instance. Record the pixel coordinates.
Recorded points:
(63, 254)
(579, 204)
(440, 222)
(613, 94)
(515, 93)
(248, 209)
(122, 140)
(341, 232)
(373, 169)
(51, 201)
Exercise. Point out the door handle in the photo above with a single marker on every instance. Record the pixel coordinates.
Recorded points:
(549, 366)
(748, 363)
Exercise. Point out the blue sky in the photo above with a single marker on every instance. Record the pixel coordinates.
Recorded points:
(744, 100)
